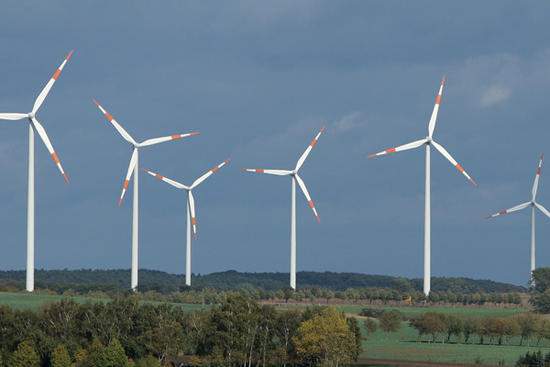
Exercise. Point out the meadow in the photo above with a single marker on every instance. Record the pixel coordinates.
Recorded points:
(404, 344)
(26, 301)
(400, 345)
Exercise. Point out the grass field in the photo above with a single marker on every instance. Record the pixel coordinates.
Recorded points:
(25, 301)
(403, 345)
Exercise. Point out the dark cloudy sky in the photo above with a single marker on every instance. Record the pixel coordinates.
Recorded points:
(258, 79)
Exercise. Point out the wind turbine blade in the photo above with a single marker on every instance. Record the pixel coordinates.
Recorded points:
(166, 138)
(176, 184)
(277, 172)
(192, 210)
(543, 209)
(215, 169)
(42, 132)
(433, 118)
(117, 126)
(511, 210)
(311, 145)
(131, 167)
(308, 197)
(537, 178)
(412, 145)
(453, 162)
(43, 94)
(13, 116)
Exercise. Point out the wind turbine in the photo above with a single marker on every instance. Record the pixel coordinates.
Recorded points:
(428, 142)
(191, 216)
(533, 204)
(34, 124)
(133, 168)
(294, 178)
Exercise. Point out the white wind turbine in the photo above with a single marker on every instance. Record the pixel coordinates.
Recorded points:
(133, 168)
(191, 216)
(533, 204)
(295, 178)
(34, 124)
(428, 142)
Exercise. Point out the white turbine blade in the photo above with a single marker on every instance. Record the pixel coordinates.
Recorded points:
(537, 178)
(277, 172)
(131, 167)
(166, 138)
(176, 184)
(311, 145)
(453, 162)
(42, 96)
(308, 198)
(13, 116)
(511, 210)
(192, 210)
(117, 126)
(210, 172)
(433, 118)
(42, 132)
(543, 209)
(412, 145)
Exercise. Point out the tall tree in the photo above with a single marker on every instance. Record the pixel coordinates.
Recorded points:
(25, 356)
(326, 339)
(60, 357)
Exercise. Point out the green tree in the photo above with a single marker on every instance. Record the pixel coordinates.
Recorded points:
(371, 325)
(430, 323)
(115, 355)
(454, 325)
(60, 357)
(469, 328)
(25, 356)
(325, 339)
(527, 326)
(390, 321)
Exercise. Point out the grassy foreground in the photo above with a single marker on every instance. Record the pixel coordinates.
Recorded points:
(401, 345)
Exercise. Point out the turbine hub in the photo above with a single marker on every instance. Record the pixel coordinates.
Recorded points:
(31, 115)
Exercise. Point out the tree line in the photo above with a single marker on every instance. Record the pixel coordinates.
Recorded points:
(434, 327)
(126, 332)
(86, 280)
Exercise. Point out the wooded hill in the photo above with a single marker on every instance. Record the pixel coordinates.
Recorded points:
(118, 280)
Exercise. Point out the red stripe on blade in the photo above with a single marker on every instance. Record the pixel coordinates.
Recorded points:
(56, 74)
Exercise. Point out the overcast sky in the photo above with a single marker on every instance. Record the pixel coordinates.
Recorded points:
(258, 79)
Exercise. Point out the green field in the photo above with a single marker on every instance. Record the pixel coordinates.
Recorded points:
(26, 301)
(404, 345)
(401, 345)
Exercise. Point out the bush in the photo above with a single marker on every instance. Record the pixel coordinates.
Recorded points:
(371, 326)
(390, 321)
(371, 312)
(148, 361)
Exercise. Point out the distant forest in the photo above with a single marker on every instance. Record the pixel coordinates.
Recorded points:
(86, 280)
